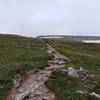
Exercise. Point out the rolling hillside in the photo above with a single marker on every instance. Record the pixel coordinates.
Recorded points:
(18, 53)
(83, 55)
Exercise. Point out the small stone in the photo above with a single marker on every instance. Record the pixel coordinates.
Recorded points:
(12, 96)
(82, 73)
(38, 93)
(80, 92)
(72, 72)
(21, 90)
(52, 96)
(40, 87)
(45, 98)
(16, 83)
(93, 94)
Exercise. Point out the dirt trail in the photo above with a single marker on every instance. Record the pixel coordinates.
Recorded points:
(34, 87)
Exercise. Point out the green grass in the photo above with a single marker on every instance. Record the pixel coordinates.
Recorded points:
(81, 55)
(65, 87)
(19, 53)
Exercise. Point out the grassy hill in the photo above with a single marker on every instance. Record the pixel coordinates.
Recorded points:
(19, 53)
(81, 55)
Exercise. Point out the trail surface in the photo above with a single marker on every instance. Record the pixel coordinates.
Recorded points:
(34, 88)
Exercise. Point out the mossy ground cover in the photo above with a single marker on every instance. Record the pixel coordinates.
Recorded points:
(81, 55)
(19, 53)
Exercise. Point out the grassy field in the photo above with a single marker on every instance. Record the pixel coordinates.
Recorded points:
(19, 53)
(81, 55)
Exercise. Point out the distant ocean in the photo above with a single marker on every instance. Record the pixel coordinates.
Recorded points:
(91, 41)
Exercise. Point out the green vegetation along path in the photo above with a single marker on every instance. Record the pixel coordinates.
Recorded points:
(33, 87)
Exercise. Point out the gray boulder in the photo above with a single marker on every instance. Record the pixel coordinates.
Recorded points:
(72, 72)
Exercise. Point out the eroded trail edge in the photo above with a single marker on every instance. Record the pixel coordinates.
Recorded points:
(34, 88)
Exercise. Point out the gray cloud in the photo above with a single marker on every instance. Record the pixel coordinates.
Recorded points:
(39, 17)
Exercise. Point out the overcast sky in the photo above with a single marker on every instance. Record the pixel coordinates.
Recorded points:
(42, 17)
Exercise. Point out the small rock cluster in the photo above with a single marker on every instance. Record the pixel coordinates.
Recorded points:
(16, 83)
(89, 80)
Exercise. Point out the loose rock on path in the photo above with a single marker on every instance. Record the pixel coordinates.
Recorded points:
(34, 88)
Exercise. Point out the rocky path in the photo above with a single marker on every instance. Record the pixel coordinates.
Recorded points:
(34, 88)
